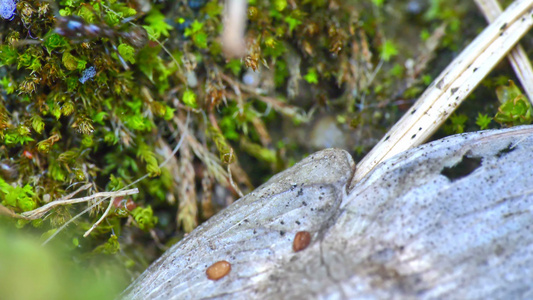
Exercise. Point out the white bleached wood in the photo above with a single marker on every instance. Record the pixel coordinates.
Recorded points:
(404, 232)
(255, 234)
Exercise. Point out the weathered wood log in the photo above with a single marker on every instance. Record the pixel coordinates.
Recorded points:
(412, 228)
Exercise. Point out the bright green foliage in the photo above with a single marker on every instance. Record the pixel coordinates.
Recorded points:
(146, 155)
(54, 41)
(378, 3)
(127, 52)
(189, 98)
(456, 124)
(388, 50)
(17, 137)
(311, 76)
(7, 85)
(483, 121)
(197, 33)
(144, 218)
(515, 108)
(17, 196)
(235, 66)
(8, 55)
(293, 22)
(427, 79)
(37, 123)
(157, 26)
(110, 247)
(449, 12)
(279, 5)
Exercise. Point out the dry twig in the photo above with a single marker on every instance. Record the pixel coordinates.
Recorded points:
(184, 134)
(39, 212)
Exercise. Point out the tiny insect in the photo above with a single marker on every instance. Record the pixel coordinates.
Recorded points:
(76, 29)
(218, 270)
(301, 241)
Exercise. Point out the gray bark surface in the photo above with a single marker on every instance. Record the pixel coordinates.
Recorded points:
(411, 229)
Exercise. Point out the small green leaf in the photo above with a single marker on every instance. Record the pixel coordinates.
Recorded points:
(189, 98)
(87, 141)
(378, 3)
(82, 64)
(388, 50)
(515, 108)
(293, 23)
(127, 52)
(56, 172)
(195, 27)
(235, 66)
(457, 124)
(280, 5)
(99, 117)
(213, 9)
(157, 26)
(169, 113)
(54, 41)
(311, 76)
(8, 55)
(146, 155)
(144, 218)
(8, 85)
(483, 121)
(200, 40)
(112, 246)
(37, 123)
(87, 14)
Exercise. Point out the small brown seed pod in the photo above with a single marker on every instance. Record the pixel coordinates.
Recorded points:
(301, 241)
(218, 270)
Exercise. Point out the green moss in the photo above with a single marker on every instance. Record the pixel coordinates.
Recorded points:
(144, 218)
(515, 108)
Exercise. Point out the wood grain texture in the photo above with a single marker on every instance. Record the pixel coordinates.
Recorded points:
(255, 234)
(408, 230)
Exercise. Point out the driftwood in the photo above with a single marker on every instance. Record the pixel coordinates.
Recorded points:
(412, 228)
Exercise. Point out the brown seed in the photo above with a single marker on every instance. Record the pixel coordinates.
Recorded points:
(301, 241)
(218, 270)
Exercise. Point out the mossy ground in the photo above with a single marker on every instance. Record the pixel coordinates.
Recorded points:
(107, 109)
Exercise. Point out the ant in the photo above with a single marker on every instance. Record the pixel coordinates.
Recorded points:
(77, 29)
